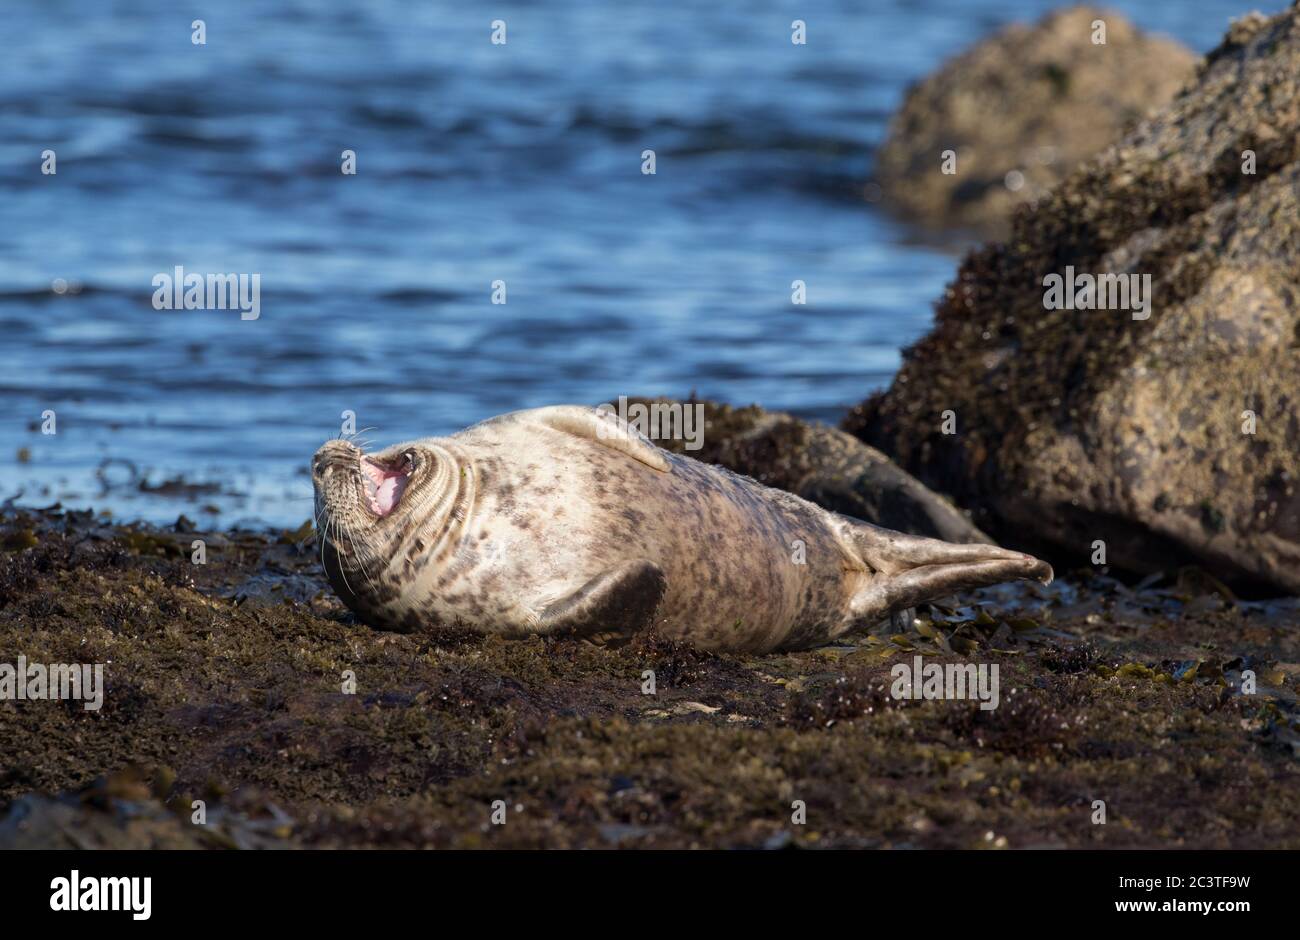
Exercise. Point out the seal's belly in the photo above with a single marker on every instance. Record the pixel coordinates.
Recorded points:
(745, 562)
(742, 567)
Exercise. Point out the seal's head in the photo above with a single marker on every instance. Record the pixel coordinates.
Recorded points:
(355, 488)
(363, 505)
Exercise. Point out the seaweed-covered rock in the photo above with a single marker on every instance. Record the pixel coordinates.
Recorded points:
(1030, 101)
(1171, 438)
(825, 466)
(121, 810)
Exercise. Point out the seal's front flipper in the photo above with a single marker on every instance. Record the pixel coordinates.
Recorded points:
(908, 570)
(615, 603)
(607, 428)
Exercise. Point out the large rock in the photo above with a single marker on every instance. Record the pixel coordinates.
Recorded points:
(1076, 425)
(1030, 100)
(824, 466)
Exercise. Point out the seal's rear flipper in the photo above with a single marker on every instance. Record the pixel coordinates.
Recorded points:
(619, 601)
(909, 570)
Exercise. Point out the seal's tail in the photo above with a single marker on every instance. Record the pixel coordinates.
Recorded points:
(906, 570)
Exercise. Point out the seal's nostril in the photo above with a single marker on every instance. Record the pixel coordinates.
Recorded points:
(333, 453)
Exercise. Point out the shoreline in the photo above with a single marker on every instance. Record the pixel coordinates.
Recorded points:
(223, 683)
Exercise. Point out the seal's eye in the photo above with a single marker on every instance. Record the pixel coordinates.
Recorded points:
(408, 461)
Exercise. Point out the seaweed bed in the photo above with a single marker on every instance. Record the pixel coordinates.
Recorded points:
(224, 683)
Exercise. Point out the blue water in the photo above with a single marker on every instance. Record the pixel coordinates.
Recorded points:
(476, 163)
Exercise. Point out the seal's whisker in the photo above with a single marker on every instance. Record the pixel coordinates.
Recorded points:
(315, 527)
(359, 550)
(343, 569)
(365, 558)
(364, 555)
(321, 535)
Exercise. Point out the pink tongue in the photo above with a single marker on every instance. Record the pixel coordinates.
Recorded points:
(388, 487)
(388, 491)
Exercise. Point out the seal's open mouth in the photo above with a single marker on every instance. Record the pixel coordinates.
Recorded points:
(383, 485)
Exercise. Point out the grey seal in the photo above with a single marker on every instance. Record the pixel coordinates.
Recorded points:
(563, 520)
